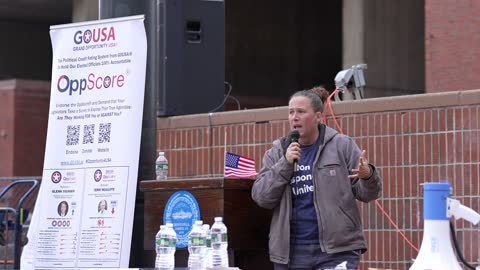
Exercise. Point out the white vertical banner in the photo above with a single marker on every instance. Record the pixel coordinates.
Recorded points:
(83, 216)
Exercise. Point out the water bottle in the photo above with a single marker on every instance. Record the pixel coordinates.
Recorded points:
(208, 255)
(161, 166)
(161, 251)
(197, 247)
(165, 243)
(172, 246)
(219, 243)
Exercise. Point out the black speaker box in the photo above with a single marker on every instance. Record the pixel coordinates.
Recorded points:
(186, 54)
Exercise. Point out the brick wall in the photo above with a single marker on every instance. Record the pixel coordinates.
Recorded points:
(32, 100)
(23, 126)
(411, 139)
(452, 40)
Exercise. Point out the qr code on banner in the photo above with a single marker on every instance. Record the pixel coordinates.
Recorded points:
(104, 132)
(73, 135)
(88, 132)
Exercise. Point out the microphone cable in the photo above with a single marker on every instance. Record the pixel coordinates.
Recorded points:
(457, 247)
(225, 98)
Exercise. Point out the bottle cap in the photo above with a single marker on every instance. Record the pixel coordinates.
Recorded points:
(161, 153)
(218, 219)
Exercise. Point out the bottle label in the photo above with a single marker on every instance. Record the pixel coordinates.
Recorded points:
(167, 242)
(219, 237)
(196, 241)
(161, 167)
(209, 242)
(173, 242)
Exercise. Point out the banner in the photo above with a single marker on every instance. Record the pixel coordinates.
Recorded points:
(83, 216)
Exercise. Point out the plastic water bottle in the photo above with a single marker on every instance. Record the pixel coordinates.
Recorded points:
(219, 243)
(172, 245)
(161, 166)
(208, 255)
(197, 247)
(165, 243)
(161, 251)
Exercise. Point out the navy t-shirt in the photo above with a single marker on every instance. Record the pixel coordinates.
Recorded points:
(303, 224)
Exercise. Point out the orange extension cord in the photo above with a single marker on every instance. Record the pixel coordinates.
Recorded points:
(328, 104)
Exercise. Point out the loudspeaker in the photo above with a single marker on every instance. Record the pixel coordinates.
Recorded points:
(186, 51)
(192, 56)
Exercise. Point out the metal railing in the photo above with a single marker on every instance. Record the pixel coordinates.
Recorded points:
(15, 195)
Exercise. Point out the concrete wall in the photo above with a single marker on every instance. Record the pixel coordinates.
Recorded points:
(389, 37)
(411, 139)
(7, 124)
(84, 10)
(451, 45)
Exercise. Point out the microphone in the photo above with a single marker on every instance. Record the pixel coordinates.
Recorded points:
(294, 136)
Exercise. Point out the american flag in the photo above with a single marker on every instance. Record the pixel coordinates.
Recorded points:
(237, 166)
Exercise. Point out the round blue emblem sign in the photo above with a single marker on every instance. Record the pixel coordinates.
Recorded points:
(182, 211)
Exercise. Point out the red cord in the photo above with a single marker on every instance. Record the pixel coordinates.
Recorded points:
(395, 225)
(328, 104)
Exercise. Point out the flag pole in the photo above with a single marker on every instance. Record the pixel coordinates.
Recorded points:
(224, 152)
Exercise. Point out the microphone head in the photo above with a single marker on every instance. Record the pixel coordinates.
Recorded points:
(294, 135)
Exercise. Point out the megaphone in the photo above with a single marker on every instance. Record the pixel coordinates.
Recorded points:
(436, 251)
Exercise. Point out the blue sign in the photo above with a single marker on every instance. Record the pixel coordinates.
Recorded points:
(182, 211)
